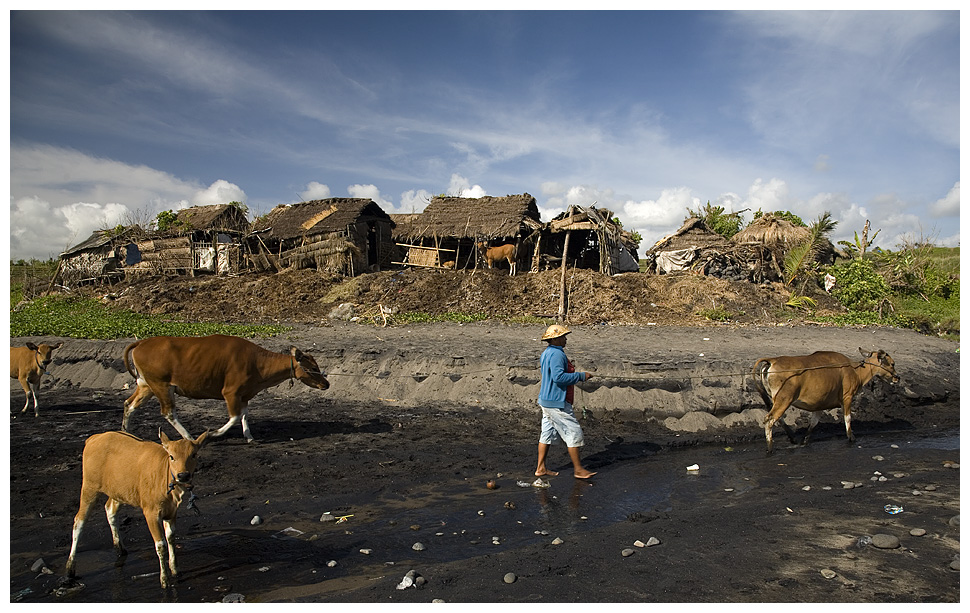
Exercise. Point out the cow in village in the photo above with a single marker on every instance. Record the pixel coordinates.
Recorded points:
(28, 364)
(818, 382)
(492, 255)
(213, 367)
(154, 477)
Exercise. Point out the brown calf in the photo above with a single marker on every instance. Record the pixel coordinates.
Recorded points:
(818, 382)
(497, 254)
(142, 474)
(214, 367)
(28, 364)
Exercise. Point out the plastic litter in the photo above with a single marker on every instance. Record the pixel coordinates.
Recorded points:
(864, 541)
(540, 483)
(693, 468)
(892, 509)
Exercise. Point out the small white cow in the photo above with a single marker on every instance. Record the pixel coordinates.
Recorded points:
(142, 474)
(28, 364)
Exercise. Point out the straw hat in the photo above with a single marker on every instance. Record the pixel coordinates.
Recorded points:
(555, 331)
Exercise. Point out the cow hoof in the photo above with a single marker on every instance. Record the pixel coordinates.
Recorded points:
(252, 441)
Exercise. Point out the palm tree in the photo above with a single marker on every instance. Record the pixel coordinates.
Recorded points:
(800, 257)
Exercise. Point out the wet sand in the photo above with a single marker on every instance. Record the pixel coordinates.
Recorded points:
(408, 469)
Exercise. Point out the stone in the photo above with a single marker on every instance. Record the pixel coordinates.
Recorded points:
(828, 573)
(418, 547)
(930, 488)
(332, 563)
(639, 543)
(653, 541)
(917, 532)
(626, 553)
(256, 520)
(234, 597)
(557, 541)
(954, 521)
(367, 552)
(509, 578)
(885, 541)
(327, 517)
(38, 565)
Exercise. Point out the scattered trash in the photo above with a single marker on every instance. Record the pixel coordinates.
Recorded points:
(256, 520)
(892, 509)
(344, 518)
(693, 468)
(523, 484)
(491, 484)
(540, 483)
(864, 541)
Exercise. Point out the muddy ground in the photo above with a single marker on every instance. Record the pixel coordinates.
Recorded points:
(420, 417)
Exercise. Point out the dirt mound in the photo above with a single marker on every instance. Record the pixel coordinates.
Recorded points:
(306, 296)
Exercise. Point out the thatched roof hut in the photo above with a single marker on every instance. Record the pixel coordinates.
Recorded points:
(778, 235)
(226, 218)
(602, 243)
(101, 257)
(206, 239)
(772, 232)
(343, 235)
(449, 227)
(691, 243)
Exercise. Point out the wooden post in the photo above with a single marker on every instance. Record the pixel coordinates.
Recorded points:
(562, 281)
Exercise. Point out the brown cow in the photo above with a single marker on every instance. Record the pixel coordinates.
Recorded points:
(215, 367)
(28, 364)
(818, 382)
(142, 474)
(496, 254)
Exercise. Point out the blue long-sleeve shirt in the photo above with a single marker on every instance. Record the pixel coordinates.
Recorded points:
(554, 378)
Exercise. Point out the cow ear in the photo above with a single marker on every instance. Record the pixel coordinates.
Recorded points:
(31, 346)
(161, 436)
(57, 346)
(864, 353)
(203, 439)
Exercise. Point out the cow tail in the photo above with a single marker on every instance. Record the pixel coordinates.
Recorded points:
(128, 361)
(760, 373)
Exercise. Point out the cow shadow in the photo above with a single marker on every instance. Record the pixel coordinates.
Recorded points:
(278, 430)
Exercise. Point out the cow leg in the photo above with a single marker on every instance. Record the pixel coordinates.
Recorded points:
(142, 393)
(169, 527)
(238, 410)
(111, 512)
(778, 409)
(26, 385)
(166, 398)
(847, 416)
(35, 389)
(161, 545)
(88, 498)
(811, 426)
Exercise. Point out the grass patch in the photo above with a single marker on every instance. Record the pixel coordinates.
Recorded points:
(427, 318)
(89, 318)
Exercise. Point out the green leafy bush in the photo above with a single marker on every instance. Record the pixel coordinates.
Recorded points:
(89, 318)
(858, 287)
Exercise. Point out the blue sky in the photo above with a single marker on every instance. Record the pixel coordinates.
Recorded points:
(115, 116)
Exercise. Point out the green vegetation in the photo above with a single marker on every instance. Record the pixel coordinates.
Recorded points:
(917, 287)
(718, 313)
(725, 224)
(89, 318)
(786, 215)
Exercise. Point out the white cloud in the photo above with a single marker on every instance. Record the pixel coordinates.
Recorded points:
(460, 186)
(413, 201)
(949, 204)
(60, 196)
(770, 196)
(220, 192)
(315, 191)
(372, 192)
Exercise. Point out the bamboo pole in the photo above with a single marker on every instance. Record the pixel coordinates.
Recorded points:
(562, 281)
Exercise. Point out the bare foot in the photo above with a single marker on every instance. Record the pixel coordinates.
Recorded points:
(583, 475)
(546, 473)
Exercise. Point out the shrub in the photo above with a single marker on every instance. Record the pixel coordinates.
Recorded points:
(858, 287)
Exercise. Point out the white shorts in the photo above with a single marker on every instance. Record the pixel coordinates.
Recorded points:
(560, 424)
